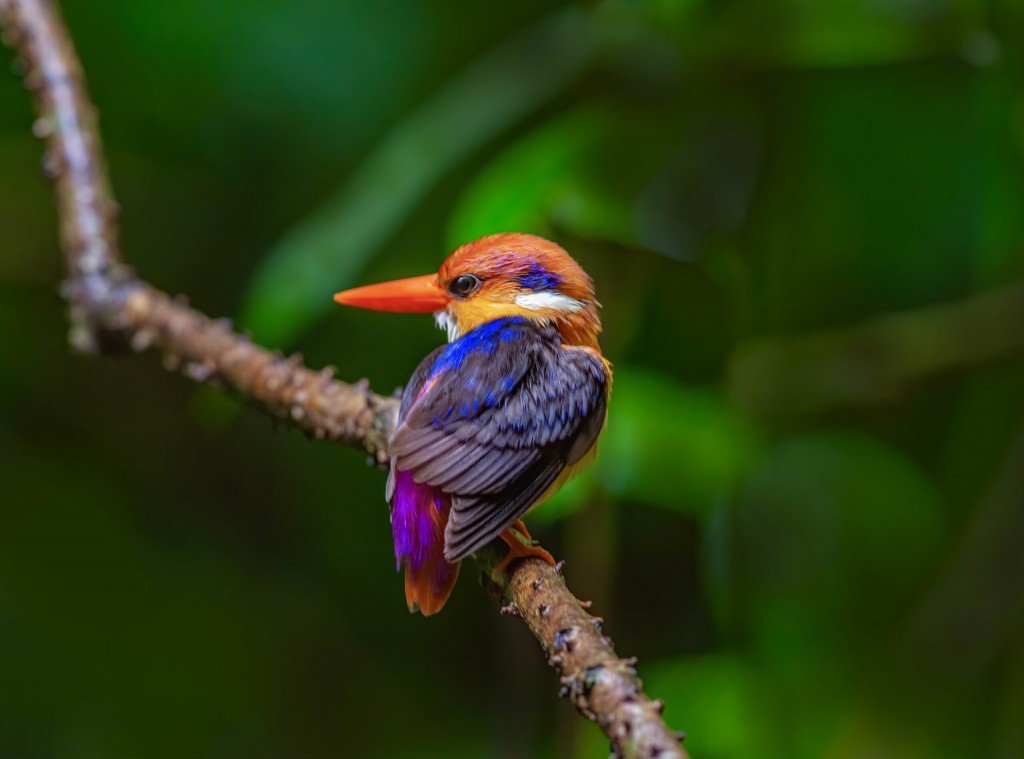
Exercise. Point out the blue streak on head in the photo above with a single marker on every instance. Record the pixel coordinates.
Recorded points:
(539, 278)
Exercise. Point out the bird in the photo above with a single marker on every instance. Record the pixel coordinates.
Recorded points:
(498, 419)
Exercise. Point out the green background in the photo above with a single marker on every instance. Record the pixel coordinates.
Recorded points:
(808, 511)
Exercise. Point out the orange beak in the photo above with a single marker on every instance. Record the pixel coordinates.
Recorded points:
(415, 295)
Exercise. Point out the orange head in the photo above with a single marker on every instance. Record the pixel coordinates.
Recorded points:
(495, 276)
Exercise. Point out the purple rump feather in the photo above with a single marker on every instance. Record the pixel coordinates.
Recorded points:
(418, 516)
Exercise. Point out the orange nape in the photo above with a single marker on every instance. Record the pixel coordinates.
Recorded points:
(413, 295)
(520, 548)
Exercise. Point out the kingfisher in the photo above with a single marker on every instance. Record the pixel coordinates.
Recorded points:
(498, 419)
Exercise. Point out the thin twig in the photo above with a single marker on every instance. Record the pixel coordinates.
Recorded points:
(110, 308)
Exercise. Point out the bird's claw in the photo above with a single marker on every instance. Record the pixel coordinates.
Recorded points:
(520, 546)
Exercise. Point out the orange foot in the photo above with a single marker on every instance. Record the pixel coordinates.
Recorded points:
(520, 548)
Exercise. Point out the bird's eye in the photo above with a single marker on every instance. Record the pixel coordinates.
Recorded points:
(464, 285)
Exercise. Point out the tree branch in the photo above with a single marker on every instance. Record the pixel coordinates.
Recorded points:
(878, 361)
(603, 687)
(111, 309)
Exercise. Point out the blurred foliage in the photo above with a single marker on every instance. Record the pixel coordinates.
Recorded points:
(799, 578)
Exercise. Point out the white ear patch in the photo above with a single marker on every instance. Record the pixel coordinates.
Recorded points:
(542, 299)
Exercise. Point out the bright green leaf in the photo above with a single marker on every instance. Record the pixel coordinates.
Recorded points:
(671, 445)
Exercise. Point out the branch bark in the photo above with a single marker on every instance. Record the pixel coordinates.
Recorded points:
(602, 686)
(111, 309)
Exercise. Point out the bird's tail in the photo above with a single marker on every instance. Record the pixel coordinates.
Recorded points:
(419, 515)
(427, 588)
